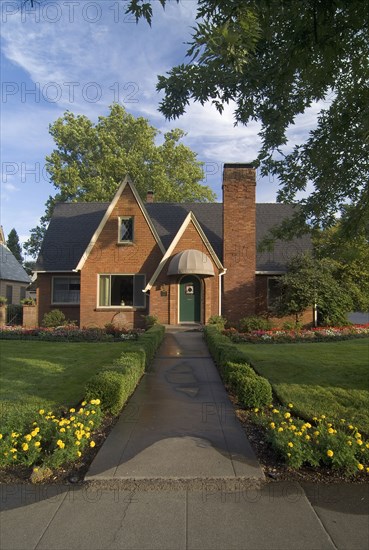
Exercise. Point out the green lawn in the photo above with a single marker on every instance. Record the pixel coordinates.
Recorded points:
(49, 374)
(330, 378)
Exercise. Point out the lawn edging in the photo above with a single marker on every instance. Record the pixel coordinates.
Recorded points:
(252, 390)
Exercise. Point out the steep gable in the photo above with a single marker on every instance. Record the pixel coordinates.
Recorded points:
(10, 268)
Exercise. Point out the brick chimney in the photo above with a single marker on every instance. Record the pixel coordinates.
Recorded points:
(150, 197)
(239, 240)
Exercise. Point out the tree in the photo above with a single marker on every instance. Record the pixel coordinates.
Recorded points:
(309, 283)
(14, 245)
(275, 59)
(90, 161)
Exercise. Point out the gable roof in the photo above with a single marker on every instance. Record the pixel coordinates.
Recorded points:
(73, 225)
(10, 268)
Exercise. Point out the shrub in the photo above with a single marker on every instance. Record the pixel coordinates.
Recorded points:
(218, 321)
(150, 341)
(110, 387)
(3, 300)
(54, 318)
(28, 302)
(151, 320)
(248, 324)
(251, 389)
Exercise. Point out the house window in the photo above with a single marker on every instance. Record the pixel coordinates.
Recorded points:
(66, 290)
(122, 290)
(126, 229)
(274, 292)
(9, 294)
(22, 292)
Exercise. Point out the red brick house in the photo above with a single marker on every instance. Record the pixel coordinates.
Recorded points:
(120, 261)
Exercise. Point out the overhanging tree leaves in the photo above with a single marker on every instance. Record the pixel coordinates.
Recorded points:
(275, 59)
(90, 161)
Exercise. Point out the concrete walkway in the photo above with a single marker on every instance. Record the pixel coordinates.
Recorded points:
(179, 424)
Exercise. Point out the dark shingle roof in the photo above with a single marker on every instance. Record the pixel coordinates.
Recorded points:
(73, 225)
(10, 268)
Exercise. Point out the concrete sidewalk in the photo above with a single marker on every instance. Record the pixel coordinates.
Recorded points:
(280, 516)
(179, 424)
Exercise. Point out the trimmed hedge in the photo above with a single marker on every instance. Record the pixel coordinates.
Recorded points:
(114, 384)
(251, 389)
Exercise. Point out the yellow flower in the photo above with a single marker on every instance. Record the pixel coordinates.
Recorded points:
(77, 443)
(316, 433)
(280, 429)
(315, 418)
(28, 437)
(290, 405)
(359, 442)
(255, 410)
(25, 446)
(343, 420)
(93, 412)
(14, 434)
(367, 469)
(79, 453)
(83, 403)
(275, 411)
(350, 427)
(288, 454)
(329, 425)
(72, 410)
(270, 406)
(367, 445)
(13, 450)
(293, 427)
(330, 453)
(35, 469)
(287, 415)
(290, 444)
(299, 433)
(35, 432)
(92, 443)
(330, 430)
(41, 411)
(1, 436)
(349, 443)
(360, 466)
(308, 425)
(60, 444)
(37, 444)
(272, 425)
(87, 413)
(97, 401)
(62, 430)
(323, 416)
(357, 435)
(307, 437)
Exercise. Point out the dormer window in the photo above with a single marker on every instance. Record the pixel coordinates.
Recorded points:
(126, 227)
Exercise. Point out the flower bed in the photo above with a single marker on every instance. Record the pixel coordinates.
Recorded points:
(70, 333)
(320, 334)
(314, 443)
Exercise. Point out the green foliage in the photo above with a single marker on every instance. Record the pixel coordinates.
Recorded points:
(28, 302)
(310, 281)
(3, 300)
(151, 320)
(111, 388)
(218, 321)
(55, 318)
(14, 245)
(275, 60)
(150, 340)
(254, 322)
(315, 443)
(252, 390)
(90, 161)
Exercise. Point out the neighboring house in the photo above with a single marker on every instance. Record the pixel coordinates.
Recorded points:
(119, 261)
(13, 278)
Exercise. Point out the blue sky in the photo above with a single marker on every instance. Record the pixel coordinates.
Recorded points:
(82, 55)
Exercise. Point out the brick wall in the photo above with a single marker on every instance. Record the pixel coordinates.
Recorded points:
(44, 299)
(166, 307)
(239, 240)
(261, 305)
(109, 257)
(30, 316)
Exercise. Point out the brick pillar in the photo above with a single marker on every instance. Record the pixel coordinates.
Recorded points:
(239, 240)
(3, 309)
(30, 316)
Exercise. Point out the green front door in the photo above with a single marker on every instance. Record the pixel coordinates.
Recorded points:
(189, 299)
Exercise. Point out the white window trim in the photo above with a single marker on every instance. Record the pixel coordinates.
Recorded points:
(120, 218)
(64, 303)
(99, 307)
